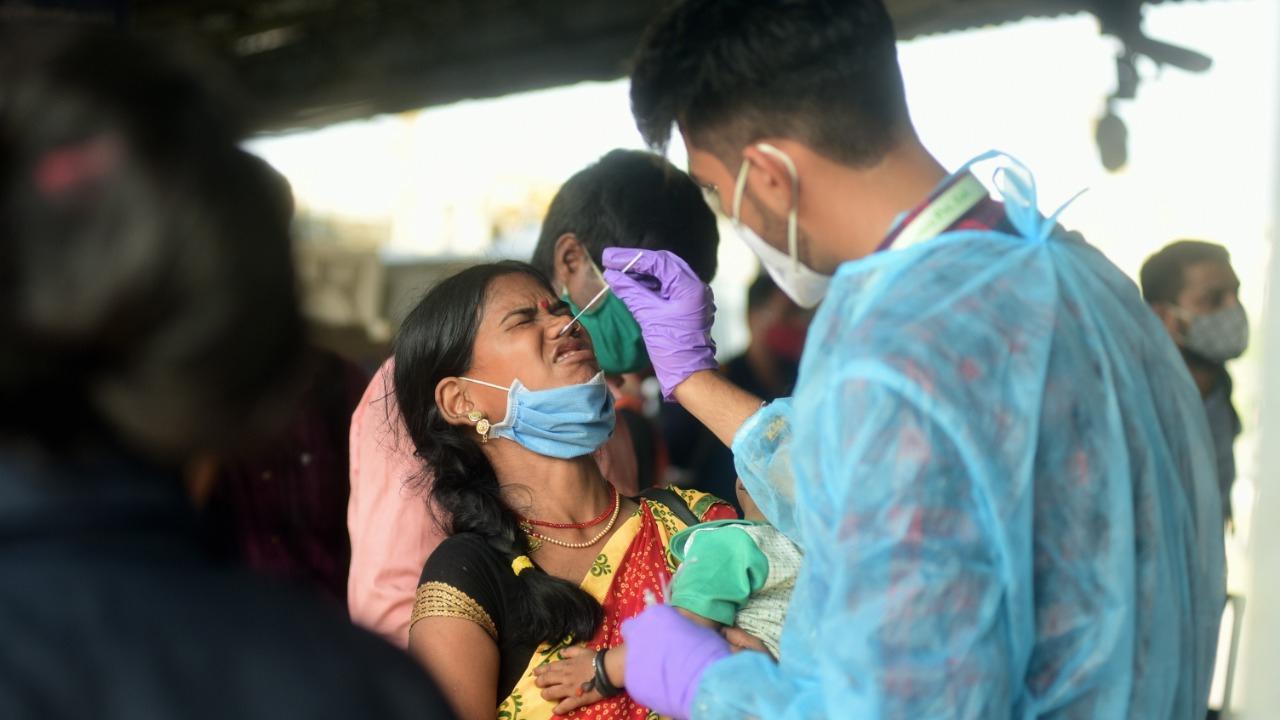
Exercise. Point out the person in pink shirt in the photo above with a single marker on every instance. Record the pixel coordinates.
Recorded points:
(628, 197)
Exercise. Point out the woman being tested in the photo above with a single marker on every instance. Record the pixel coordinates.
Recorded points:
(504, 406)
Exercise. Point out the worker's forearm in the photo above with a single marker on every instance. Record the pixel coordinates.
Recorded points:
(716, 403)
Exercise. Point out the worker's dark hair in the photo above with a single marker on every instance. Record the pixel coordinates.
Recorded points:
(435, 342)
(729, 72)
(1164, 273)
(631, 198)
(762, 289)
(146, 284)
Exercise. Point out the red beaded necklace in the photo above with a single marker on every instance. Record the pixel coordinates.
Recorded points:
(582, 525)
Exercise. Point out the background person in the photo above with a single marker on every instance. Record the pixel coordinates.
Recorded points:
(994, 460)
(628, 196)
(280, 507)
(147, 321)
(1192, 287)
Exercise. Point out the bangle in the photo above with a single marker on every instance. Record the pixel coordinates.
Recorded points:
(601, 683)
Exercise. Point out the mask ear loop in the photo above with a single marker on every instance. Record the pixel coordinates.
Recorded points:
(486, 384)
(739, 188)
(510, 400)
(1183, 316)
(793, 236)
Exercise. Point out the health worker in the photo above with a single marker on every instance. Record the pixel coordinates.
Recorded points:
(994, 460)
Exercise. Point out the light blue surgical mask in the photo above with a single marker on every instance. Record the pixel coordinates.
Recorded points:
(562, 422)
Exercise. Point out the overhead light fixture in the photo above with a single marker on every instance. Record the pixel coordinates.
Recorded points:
(1123, 20)
(1112, 137)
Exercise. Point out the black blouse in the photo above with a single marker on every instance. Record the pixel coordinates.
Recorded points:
(466, 578)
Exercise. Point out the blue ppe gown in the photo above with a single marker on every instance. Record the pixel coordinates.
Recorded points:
(1001, 475)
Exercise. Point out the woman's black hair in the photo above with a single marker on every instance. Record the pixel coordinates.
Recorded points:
(147, 294)
(435, 342)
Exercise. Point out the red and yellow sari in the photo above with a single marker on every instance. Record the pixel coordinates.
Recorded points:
(634, 560)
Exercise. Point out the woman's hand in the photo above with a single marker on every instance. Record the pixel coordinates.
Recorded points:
(740, 639)
(569, 680)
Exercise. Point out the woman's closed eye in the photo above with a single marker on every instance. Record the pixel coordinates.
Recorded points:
(527, 315)
(518, 317)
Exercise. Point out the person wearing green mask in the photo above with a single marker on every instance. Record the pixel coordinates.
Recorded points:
(629, 198)
(635, 199)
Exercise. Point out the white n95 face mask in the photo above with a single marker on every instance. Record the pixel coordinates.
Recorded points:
(802, 284)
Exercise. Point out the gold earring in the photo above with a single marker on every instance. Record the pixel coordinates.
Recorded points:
(482, 425)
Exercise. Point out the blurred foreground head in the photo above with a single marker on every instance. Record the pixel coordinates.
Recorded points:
(146, 288)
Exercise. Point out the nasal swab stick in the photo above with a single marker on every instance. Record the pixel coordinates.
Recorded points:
(593, 300)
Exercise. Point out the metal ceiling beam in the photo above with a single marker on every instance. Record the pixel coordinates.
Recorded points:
(315, 62)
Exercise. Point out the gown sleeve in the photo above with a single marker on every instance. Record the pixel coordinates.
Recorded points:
(762, 456)
(902, 586)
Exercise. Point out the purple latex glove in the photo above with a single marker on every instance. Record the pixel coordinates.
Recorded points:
(675, 311)
(666, 656)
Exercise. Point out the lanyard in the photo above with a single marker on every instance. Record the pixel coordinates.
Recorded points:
(942, 212)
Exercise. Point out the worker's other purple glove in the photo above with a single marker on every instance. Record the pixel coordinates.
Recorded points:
(666, 656)
(675, 311)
